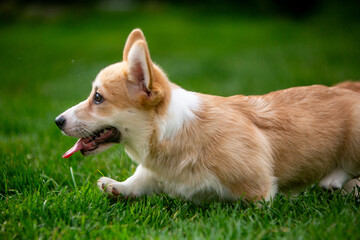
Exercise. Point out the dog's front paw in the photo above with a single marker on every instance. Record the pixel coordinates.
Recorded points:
(112, 188)
(104, 182)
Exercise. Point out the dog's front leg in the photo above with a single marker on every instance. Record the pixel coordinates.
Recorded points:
(141, 183)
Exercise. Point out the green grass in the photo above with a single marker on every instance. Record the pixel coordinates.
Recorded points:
(47, 66)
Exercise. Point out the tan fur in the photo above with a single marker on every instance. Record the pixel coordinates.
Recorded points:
(252, 145)
(354, 86)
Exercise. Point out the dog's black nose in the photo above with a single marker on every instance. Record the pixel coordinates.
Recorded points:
(60, 121)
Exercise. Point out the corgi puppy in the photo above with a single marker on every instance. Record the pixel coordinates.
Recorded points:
(202, 147)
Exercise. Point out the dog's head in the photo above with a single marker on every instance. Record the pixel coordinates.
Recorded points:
(121, 106)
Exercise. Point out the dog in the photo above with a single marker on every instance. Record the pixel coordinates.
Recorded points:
(202, 148)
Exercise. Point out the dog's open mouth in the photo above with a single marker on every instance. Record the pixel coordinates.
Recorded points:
(90, 143)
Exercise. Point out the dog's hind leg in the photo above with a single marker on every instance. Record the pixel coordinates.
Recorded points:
(352, 185)
(141, 183)
(335, 180)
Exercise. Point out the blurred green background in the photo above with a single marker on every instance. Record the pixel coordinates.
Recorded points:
(50, 52)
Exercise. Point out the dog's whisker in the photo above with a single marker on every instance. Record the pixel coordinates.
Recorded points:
(80, 130)
(91, 134)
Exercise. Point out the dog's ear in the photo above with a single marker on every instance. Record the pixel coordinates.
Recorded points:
(140, 73)
(135, 35)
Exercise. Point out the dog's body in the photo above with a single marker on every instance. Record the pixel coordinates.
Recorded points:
(204, 147)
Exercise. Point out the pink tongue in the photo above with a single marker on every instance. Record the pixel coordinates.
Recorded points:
(77, 147)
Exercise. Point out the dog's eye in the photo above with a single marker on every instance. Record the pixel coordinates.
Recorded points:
(98, 98)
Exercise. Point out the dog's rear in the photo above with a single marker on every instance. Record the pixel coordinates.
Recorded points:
(354, 86)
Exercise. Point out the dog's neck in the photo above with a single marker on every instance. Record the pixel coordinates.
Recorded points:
(180, 110)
